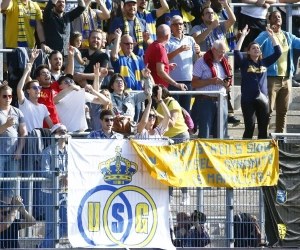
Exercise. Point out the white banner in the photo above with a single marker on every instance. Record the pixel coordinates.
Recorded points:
(112, 200)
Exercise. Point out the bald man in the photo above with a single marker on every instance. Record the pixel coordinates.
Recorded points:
(210, 72)
(157, 59)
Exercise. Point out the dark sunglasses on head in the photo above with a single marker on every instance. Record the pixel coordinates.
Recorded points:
(152, 115)
(36, 87)
(5, 213)
(5, 96)
(108, 119)
(69, 81)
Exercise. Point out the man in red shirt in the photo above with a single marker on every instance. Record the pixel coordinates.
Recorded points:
(157, 59)
(48, 91)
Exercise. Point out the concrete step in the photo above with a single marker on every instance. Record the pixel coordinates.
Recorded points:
(295, 98)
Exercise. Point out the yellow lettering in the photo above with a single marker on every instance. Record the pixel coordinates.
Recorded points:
(93, 216)
(141, 218)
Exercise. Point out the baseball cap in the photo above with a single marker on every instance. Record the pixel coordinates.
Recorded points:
(129, 1)
(56, 126)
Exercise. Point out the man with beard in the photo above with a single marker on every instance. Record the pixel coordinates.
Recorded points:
(131, 25)
(57, 24)
(279, 73)
(94, 55)
(150, 17)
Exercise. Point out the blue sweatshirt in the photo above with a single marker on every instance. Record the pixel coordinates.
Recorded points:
(254, 74)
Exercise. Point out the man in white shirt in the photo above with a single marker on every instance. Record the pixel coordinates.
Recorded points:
(34, 112)
(70, 103)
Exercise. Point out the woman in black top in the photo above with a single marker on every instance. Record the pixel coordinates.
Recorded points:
(254, 80)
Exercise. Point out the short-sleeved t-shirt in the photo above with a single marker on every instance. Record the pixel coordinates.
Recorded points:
(46, 98)
(9, 140)
(34, 114)
(156, 53)
(12, 26)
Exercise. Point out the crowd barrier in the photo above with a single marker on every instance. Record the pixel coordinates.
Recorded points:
(218, 204)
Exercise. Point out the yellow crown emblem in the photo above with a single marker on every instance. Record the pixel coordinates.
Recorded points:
(118, 170)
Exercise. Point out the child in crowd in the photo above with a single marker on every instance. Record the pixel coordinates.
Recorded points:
(79, 62)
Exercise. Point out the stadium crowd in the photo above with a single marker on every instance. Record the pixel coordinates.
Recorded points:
(74, 67)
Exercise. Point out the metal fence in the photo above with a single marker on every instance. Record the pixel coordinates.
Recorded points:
(218, 204)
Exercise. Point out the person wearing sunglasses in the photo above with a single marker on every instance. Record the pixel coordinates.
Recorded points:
(70, 103)
(12, 136)
(48, 170)
(148, 127)
(106, 132)
(34, 112)
(10, 225)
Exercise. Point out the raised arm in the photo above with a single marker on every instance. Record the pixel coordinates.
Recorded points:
(64, 92)
(28, 220)
(104, 14)
(166, 113)
(144, 119)
(231, 17)
(99, 74)
(200, 37)
(5, 4)
(20, 92)
(163, 9)
(244, 33)
(116, 47)
(271, 35)
(99, 98)
(70, 67)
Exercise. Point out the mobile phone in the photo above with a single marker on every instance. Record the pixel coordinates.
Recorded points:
(227, 78)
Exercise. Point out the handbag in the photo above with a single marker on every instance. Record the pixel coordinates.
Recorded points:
(123, 124)
(262, 100)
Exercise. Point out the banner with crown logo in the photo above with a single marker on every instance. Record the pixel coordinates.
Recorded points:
(112, 200)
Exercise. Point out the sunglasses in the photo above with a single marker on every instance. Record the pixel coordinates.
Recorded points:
(118, 81)
(44, 73)
(5, 213)
(152, 116)
(69, 81)
(62, 131)
(5, 96)
(128, 44)
(36, 87)
(108, 119)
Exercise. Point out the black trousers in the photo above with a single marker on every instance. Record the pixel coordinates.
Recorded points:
(251, 111)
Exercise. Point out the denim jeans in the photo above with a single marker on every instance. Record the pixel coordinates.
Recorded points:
(183, 100)
(8, 168)
(251, 111)
(48, 241)
(207, 111)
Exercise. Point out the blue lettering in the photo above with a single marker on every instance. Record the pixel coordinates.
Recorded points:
(118, 226)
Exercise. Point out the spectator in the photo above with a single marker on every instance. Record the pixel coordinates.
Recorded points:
(157, 59)
(211, 30)
(70, 103)
(56, 63)
(279, 86)
(130, 66)
(295, 30)
(124, 102)
(94, 55)
(209, 74)
(148, 126)
(254, 80)
(178, 131)
(95, 109)
(150, 17)
(79, 62)
(10, 225)
(48, 91)
(23, 18)
(181, 49)
(34, 112)
(88, 20)
(131, 25)
(57, 24)
(12, 133)
(254, 17)
(106, 132)
(49, 170)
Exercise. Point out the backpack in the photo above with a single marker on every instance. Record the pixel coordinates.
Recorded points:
(246, 230)
(187, 117)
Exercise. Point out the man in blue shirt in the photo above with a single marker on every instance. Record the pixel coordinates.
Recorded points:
(106, 120)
